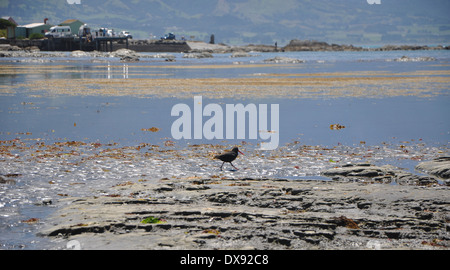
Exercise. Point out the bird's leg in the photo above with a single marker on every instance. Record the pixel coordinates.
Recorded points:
(222, 165)
(233, 166)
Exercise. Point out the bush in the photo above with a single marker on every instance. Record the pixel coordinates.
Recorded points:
(5, 23)
(36, 36)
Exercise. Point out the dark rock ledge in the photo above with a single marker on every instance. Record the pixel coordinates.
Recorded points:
(257, 214)
(379, 174)
(439, 167)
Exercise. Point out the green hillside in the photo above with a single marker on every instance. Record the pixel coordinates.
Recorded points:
(253, 21)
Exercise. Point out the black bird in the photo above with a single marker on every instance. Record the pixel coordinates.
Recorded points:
(229, 157)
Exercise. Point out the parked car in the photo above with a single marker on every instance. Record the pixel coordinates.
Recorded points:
(59, 31)
(169, 36)
(84, 31)
(111, 33)
(125, 34)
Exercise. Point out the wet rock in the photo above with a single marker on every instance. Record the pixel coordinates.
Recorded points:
(414, 59)
(34, 60)
(280, 240)
(11, 48)
(264, 214)
(382, 174)
(439, 167)
(166, 56)
(315, 236)
(198, 55)
(424, 215)
(408, 48)
(47, 201)
(312, 45)
(32, 49)
(7, 179)
(164, 188)
(412, 179)
(78, 54)
(34, 55)
(129, 58)
(198, 187)
(197, 47)
(44, 201)
(364, 205)
(358, 170)
(125, 55)
(240, 54)
(98, 54)
(284, 60)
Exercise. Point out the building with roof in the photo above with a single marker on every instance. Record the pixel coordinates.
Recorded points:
(26, 31)
(73, 24)
(10, 19)
(10, 30)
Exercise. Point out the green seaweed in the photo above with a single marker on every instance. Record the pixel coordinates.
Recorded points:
(153, 220)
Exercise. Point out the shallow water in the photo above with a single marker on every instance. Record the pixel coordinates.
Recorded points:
(55, 144)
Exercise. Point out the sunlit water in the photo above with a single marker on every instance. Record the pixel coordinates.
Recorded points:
(55, 146)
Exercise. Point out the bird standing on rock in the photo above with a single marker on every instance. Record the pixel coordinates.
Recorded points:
(229, 157)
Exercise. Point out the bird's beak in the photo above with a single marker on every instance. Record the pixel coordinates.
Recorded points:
(241, 152)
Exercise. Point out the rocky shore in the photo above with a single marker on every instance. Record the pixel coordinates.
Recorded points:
(439, 167)
(311, 45)
(246, 213)
(200, 48)
(303, 45)
(33, 54)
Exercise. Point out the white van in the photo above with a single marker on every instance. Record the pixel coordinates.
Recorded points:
(59, 31)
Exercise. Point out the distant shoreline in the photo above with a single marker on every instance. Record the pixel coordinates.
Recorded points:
(199, 46)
